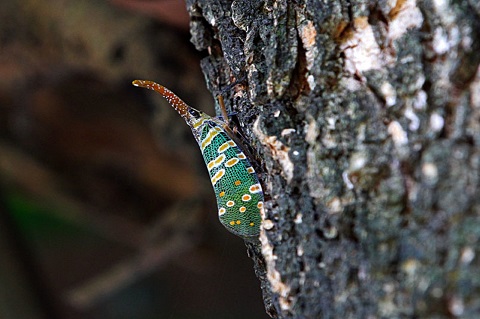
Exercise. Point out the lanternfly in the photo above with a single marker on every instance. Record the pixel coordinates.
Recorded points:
(238, 192)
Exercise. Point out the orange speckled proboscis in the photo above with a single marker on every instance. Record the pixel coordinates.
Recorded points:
(180, 106)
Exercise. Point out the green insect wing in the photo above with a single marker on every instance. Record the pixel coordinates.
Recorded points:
(237, 189)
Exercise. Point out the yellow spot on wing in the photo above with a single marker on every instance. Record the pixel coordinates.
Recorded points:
(246, 197)
(208, 139)
(230, 203)
(232, 223)
(242, 209)
(199, 123)
(221, 211)
(250, 170)
(231, 162)
(223, 147)
(216, 162)
(255, 188)
(222, 193)
(217, 176)
(220, 159)
(238, 222)
(241, 156)
(252, 224)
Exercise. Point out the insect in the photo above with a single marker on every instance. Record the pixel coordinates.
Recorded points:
(235, 182)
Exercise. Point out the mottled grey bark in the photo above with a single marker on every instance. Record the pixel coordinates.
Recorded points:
(365, 115)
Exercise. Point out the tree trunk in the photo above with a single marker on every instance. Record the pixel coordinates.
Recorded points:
(366, 117)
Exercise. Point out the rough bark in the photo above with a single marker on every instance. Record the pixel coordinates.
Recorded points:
(365, 115)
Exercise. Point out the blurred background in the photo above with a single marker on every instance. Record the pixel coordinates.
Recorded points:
(106, 210)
